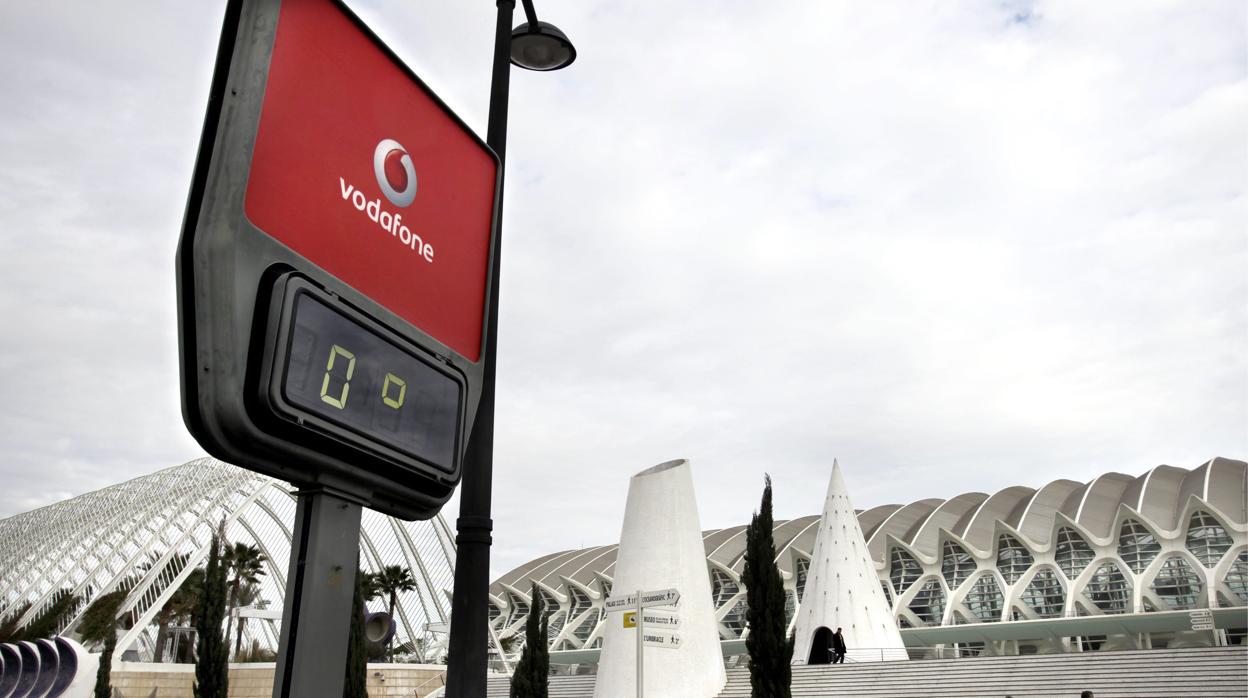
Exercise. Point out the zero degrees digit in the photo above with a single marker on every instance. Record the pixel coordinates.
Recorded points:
(391, 384)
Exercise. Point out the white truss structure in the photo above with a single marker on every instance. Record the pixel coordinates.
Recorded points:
(156, 529)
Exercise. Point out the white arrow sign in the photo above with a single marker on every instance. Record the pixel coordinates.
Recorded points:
(662, 597)
(661, 619)
(620, 603)
(669, 641)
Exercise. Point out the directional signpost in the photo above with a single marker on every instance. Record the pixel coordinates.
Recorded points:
(638, 617)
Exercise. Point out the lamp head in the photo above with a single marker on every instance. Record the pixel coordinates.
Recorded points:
(543, 47)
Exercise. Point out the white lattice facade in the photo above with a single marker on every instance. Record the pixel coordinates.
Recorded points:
(1170, 539)
(155, 530)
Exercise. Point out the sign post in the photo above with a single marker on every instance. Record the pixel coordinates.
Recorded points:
(641, 648)
(640, 601)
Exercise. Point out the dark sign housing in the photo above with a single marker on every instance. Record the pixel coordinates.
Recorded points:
(334, 263)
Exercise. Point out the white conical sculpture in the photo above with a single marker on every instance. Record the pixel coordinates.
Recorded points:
(661, 548)
(843, 590)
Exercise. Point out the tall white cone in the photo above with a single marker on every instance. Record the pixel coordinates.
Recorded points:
(661, 548)
(843, 589)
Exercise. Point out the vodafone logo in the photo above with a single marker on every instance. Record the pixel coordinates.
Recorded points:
(395, 174)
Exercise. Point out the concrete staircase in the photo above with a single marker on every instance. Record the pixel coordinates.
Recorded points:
(1199, 672)
(560, 687)
(1214, 672)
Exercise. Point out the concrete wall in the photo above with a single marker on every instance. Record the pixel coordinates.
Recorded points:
(137, 680)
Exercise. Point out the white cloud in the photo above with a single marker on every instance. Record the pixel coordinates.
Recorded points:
(958, 246)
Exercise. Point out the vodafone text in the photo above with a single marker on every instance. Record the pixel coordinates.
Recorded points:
(391, 223)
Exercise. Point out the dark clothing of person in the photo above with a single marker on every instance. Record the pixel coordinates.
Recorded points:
(838, 648)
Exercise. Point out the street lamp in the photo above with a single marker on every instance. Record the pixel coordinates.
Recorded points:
(534, 46)
(542, 48)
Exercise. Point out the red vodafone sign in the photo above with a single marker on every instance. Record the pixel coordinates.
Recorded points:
(334, 263)
(358, 168)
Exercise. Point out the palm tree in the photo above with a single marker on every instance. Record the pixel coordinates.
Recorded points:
(184, 603)
(391, 580)
(246, 563)
(369, 586)
(248, 595)
(166, 614)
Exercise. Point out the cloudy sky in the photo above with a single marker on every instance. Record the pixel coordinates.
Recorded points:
(958, 246)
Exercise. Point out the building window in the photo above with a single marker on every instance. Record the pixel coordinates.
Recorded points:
(1237, 577)
(1136, 545)
(605, 586)
(888, 592)
(723, 587)
(734, 620)
(1206, 539)
(1109, 589)
(554, 624)
(985, 599)
(1073, 552)
(903, 570)
(956, 565)
(790, 606)
(1013, 559)
(586, 628)
(519, 609)
(1178, 584)
(580, 601)
(1044, 594)
(801, 568)
(929, 604)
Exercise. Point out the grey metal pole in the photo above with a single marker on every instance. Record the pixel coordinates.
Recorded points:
(316, 616)
(641, 651)
(468, 642)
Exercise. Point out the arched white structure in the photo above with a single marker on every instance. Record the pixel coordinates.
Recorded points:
(1170, 539)
(154, 530)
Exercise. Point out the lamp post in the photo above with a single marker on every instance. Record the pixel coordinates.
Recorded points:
(538, 46)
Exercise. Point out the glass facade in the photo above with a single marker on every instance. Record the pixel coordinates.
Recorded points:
(956, 565)
(1109, 590)
(800, 568)
(1044, 594)
(1177, 584)
(734, 620)
(1206, 539)
(1136, 545)
(1012, 558)
(904, 570)
(929, 604)
(985, 599)
(1237, 578)
(1072, 553)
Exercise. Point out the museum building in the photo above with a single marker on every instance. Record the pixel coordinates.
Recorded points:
(1143, 561)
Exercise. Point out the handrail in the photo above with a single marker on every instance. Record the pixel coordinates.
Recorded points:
(441, 678)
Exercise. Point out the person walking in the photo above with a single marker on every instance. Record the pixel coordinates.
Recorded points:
(838, 647)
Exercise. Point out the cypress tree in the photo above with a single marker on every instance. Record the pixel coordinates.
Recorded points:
(212, 676)
(103, 675)
(531, 677)
(356, 678)
(770, 651)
